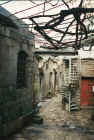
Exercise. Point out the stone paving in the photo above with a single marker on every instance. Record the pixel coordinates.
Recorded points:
(58, 124)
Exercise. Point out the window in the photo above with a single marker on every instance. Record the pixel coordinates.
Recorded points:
(47, 66)
(50, 80)
(67, 63)
(21, 69)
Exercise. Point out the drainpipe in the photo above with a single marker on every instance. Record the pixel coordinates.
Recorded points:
(69, 82)
(70, 70)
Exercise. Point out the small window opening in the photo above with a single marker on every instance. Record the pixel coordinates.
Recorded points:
(21, 69)
(67, 63)
(47, 66)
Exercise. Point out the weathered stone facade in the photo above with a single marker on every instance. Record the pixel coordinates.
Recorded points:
(87, 67)
(80, 74)
(49, 71)
(17, 77)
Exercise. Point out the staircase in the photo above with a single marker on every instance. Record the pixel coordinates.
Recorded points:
(68, 89)
(68, 97)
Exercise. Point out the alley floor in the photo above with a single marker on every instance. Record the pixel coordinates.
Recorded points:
(58, 124)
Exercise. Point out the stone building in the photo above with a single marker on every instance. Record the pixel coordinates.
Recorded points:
(51, 69)
(49, 77)
(79, 73)
(87, 82)
(17, 75)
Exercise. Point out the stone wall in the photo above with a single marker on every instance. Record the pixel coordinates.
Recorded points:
(87, 67)
(15, 102)
(50, 76)
(46, 78)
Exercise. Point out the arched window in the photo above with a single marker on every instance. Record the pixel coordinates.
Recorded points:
(21, 69)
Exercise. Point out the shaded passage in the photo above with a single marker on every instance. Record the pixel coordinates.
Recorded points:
(58, 124)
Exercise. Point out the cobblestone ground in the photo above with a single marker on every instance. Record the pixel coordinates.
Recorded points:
(58, 124)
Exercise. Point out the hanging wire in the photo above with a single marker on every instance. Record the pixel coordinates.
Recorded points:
(56, 5)
(33, 7)
(32, 1)
(44, 8)
(26, 9)
(53, 4)
(6, 2)
(40, 12)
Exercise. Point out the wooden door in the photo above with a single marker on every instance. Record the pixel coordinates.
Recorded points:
(87, 92)
(84, 92)
(90, 92)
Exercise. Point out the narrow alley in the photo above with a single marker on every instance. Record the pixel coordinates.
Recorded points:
(58, 124)
(47, 70)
